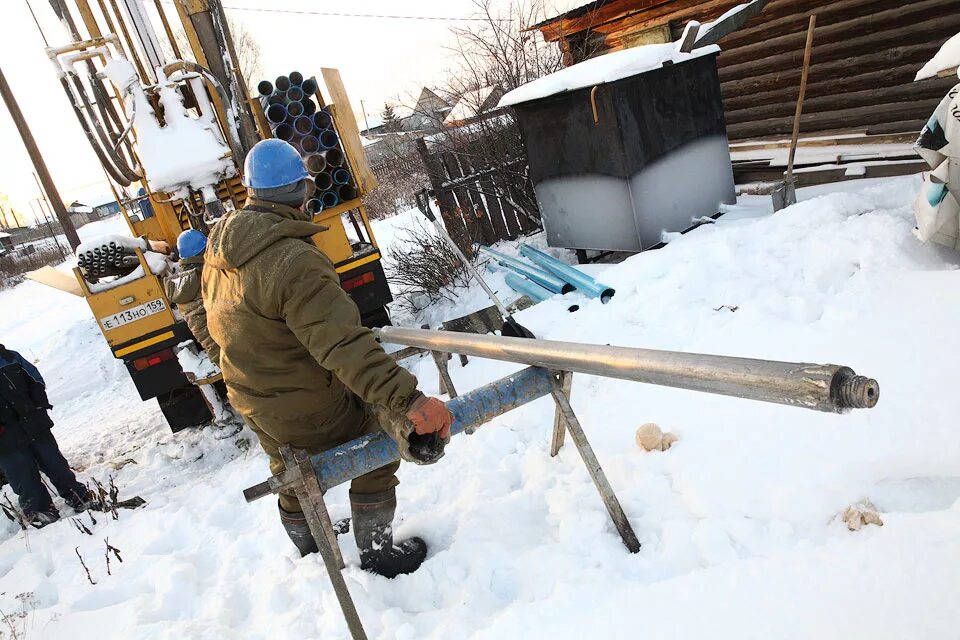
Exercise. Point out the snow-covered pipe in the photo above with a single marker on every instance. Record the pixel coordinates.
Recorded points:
(309, 87)
(328, 139)
(329, 199)
(347, 192)
(527, 287)
(303, 125)
(294, 94)
(282, 83)
(322, 120)
(284, 132)
(577, 278)
(323, 181)
(265, 88)
(340, 176)
(296, 78)
(276, 113)
(334, 157)
(316, 163)
(295, 109)
(542, 278)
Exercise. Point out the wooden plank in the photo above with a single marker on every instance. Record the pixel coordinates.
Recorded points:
(904, 93)
(349, 132)
(480, 209)
(449, 212)
(928, 32)
(873, 81)
(464, 204)
(892, 20)
(878, 61)
(860, 117)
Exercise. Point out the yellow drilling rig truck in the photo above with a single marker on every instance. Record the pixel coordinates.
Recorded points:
(171, 129)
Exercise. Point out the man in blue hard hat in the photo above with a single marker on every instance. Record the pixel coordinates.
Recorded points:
(183, 289)
(299, 365)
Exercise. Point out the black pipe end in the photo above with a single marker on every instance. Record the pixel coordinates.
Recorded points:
(607, 295)
(567, 288)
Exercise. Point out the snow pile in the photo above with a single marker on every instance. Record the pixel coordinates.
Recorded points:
(188, 153)
(606, 68)
(196, 362)
(947, 58)
(740, 519)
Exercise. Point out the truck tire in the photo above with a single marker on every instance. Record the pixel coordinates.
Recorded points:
(184, 408)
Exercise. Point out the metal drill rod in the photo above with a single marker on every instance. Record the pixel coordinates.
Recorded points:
(363, 455)
(822, 387)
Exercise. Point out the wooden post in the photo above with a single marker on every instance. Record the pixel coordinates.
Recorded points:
(448, 206)
(559, 424)
(53, 196)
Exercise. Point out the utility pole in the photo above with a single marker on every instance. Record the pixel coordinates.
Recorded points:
(44, 175)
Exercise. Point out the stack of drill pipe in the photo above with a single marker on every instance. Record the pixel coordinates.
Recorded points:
(542, 278)
(107, 260)
(577, 278)
(295, 118)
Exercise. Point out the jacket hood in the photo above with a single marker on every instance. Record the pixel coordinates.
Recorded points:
(240, 236)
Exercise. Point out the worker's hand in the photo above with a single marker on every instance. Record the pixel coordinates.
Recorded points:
(430, 415)
(159, 246)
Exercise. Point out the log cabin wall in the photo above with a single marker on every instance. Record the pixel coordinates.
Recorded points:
(865, 56)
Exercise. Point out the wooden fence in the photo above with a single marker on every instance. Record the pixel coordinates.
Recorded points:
(484, 197)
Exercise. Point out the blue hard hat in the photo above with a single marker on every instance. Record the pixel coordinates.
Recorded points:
(272, 163)
(191, 243)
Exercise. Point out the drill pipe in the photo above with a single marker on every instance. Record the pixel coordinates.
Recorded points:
(334, 157)
(527, 287)
(363, 455)
(822, 387)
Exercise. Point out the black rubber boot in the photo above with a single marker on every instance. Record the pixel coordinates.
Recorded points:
(297, 528)
(373, 531)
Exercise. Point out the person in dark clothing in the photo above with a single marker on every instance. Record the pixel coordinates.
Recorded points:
(27, 446)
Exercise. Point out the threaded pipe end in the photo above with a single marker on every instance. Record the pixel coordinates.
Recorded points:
(857, 392)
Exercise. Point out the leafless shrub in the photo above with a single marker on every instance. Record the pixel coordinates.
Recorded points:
(16, 623)
(424, 267)
(84, 565)
(15, 264)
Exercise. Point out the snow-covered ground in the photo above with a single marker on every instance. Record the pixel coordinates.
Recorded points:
(738, 520)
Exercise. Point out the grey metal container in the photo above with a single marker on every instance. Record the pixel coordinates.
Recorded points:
(654, 158)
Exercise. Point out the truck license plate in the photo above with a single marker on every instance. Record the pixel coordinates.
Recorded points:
(133, 314)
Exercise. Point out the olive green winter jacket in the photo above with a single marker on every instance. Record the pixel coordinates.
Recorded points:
(183, 290)
(296, 361)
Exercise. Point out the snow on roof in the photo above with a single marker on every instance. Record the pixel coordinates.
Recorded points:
(606, 68)
(946, 59)
(470, 105)
(3, 234)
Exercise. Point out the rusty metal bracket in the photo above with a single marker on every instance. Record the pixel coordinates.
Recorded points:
(318, 518)
(599, 478)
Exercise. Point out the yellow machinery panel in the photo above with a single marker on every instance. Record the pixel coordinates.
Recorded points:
(131, 310)
(333, 242)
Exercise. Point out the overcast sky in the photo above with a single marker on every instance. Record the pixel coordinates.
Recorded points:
(379, 58)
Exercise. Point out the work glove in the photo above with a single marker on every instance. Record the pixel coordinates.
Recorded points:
(422, 433)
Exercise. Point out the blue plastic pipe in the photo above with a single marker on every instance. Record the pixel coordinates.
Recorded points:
(528, 288)
(577, 278)
(542, 278)
(470, 411)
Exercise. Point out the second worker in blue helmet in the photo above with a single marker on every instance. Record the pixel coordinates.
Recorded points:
(299, 365)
